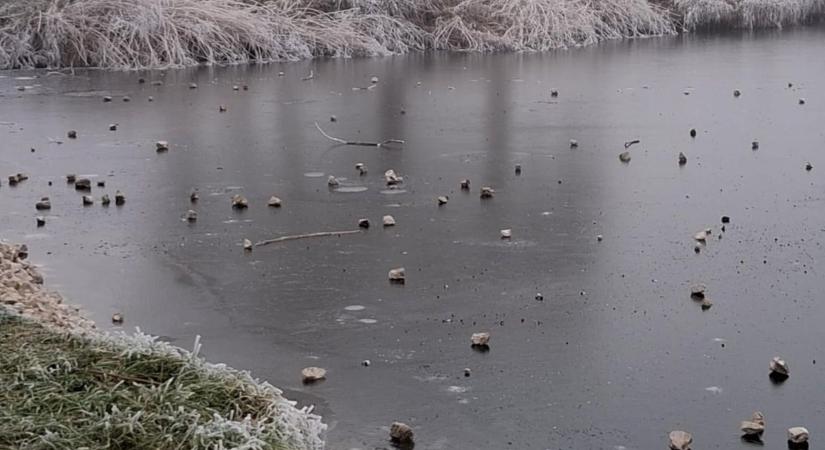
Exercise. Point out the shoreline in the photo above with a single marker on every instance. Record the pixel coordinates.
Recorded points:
(218, 406)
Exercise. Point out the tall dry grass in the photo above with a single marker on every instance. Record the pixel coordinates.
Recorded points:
(489, 25)
(127, 34)
(750, 14)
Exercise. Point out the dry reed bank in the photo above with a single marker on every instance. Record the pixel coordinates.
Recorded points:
(129, 34)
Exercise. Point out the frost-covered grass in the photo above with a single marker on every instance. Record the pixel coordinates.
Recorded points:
(63, 391)
(128, 34)
(695, 14)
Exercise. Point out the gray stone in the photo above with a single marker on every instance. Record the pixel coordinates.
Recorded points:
(401, 433)
(779, 366)
(43, 204)
(274, 202)
(698, 291)
(624, 157)
(83, 184)
(119, 198)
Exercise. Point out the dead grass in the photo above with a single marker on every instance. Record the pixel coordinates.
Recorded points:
(129, 34)
(748, 14)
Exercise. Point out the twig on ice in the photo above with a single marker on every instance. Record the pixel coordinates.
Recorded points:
(629, 143)
(364, 144)
(304, 236)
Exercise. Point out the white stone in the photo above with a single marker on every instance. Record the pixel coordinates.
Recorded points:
(398, 275)
(680, 440)
(313, 374)
(247, 245)
(753, 427)
(388, 221)
(480, 339)
(506, 233)
(798, 435)
(392, 178)
(239, 201)
(161, 146)
(274, 202)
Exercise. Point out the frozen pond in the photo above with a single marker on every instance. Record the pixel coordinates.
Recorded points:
(616, 354)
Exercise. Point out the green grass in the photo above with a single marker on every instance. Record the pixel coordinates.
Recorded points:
(62, 391)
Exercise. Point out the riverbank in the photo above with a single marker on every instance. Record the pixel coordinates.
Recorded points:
(133, 34)
(65, 385)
